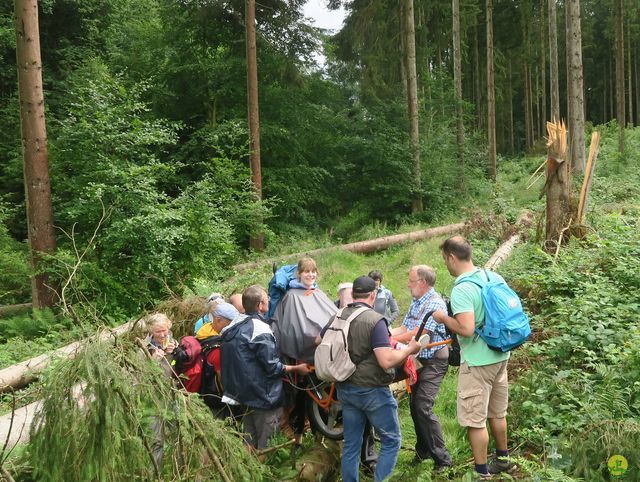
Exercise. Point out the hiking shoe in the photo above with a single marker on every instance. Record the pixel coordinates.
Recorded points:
(500, 464)
(480, 476)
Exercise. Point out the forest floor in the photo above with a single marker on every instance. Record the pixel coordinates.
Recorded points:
(575, 390)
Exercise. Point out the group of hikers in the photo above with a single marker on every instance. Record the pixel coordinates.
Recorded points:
(250, 349)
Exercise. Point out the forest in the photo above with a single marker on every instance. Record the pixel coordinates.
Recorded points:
(167, 144)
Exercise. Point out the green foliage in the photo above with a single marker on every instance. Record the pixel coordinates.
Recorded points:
(147, 240)
(14, 267)
(585, 379)
(101, 419)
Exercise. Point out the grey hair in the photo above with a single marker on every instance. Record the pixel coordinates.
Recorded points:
(157, 319)
(426, 273)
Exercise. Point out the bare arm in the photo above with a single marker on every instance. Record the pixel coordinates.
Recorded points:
(389, 358)
(402, 334)
(302, 369)
(463, 324)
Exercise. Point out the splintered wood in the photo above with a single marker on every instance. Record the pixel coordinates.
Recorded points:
(588, 176)
(556, 140)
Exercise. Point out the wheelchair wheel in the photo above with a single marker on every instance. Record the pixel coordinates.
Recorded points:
(325, 411)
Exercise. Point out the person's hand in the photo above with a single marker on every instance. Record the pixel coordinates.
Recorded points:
(170, 347)
(413, 346)
(157, 354)
(303, 369)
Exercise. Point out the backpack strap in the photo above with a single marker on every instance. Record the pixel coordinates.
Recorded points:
(355, 314)
(479, 284)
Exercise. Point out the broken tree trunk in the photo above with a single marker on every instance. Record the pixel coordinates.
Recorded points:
(21, 374)
(369, 246)
(557, 185)
(586, 183)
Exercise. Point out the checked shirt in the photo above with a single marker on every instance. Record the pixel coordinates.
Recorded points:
(427, 302)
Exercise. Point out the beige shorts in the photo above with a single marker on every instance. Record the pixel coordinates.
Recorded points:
(483, 392)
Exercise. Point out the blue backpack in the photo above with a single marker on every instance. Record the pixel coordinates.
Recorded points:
(279, 284)
(505, 325)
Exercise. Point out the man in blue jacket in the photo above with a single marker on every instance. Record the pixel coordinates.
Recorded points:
(252, 370)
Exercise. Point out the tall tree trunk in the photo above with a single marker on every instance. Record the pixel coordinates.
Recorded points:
(511, 126)
(412, 103)
(620, 104)
(604, 99)
(554, 83)
(637, 77)
(568, 47)
(257, 240)
(576, 81)
(527, 127)
(612, 89)
(403, 58)
(34, 148)
(536, 107)
(457, 78)
(477, 78)
(543, 69)
(491, 99)
(629, 76)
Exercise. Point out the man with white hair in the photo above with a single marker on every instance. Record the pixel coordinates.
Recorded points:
(434, 361)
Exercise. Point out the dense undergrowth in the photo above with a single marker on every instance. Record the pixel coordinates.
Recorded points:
(575, 391)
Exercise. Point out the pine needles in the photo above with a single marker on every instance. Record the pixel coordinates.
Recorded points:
(110, 414)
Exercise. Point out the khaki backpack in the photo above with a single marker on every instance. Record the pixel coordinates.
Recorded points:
(331, 359)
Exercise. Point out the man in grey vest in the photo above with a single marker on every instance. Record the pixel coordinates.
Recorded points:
(365, 395)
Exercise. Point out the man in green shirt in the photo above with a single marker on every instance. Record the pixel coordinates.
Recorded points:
(483, 391)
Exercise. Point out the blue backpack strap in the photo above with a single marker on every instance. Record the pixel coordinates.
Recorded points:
(476, 282)
(480, 285)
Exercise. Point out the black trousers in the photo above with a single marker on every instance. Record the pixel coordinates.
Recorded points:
(429, 439)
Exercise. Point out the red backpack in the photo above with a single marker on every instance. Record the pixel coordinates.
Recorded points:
(194, 365)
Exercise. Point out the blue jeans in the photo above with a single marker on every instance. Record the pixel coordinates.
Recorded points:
(377, 405)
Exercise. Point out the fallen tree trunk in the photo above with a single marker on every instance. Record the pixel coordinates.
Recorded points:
(503, 252)
(369, 246)
(15, 426)
(21, 374)
(10, 310)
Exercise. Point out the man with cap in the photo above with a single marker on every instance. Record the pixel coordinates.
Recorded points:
(252, 370)
(365, 395)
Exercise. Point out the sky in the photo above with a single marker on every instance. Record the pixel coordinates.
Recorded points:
(323, 18)
(317, 10)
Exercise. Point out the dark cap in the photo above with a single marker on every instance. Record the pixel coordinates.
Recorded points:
(363, 285)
